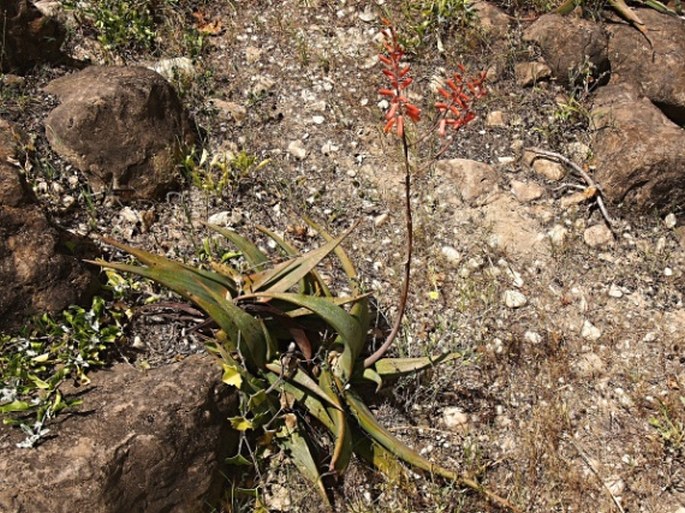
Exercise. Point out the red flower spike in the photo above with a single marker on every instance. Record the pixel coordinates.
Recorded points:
(398, 76)
(462, 93)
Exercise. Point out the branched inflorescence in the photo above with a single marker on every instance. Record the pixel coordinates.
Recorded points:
(459, 93)
(399, 75)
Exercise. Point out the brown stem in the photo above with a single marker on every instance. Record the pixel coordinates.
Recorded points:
(368, 362)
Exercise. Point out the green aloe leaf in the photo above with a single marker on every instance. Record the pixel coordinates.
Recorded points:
(317, 286)
(376, 455)
(342, 452)
(152, 260)
(299, 267)
(254, 256)
(397, 367)
(302, 379)
(300, 453)
(360, 311)
(344, 324)
(381, 435)
(244, 331)
(310, 402)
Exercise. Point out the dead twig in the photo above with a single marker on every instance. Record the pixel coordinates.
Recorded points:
(591, 184)
(589, 464)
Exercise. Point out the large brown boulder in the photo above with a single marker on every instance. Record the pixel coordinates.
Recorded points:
(574, 48)
(28, 37)
(40, 266)
(639, 152)
(124, 127)
(151, 442)
(657, 71)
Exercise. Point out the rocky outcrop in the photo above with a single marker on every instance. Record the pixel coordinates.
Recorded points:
(124, 127)
(639, 152)
(40, 267)
(151, 442)
(28, 37)
(573, 48)
(656, 70)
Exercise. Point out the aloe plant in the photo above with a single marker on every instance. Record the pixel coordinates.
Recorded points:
(283, 338)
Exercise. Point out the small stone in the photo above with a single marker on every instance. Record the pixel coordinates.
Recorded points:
(455, 418)
(590, 332)
(451, 255)
(367, 15)
(598, 235)
(297, 149)
(589, 365)
(381, 219)
(233, 110)
(573, 199)
(318, 120)
(496, 119)
(528, 73)
(615, 291)
(649, 337)
(252, 54)
(328, 148)
(514, 299)
(128, 215)
(557, 235)
(548, 169)
(532, 337)
(177, 67)
(526, 192)
(670, 221)
(578, 151)
(681, 509)
(68, 201)
(668, 271)
(220, 218)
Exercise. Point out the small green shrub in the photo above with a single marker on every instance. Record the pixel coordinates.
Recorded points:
(52, 350)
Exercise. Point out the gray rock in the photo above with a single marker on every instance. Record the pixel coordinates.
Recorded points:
(657, 71)
(598, 236)
(514, 299)
(549, 169)
(526, 192)
(123, 126)
(297, 149)
(639, 152)
(475, 181)
(29, 38)
(40, 265)
(569, 45)
(150, 441)
(529, 73)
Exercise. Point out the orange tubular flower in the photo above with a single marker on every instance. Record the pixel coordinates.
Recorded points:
(459, 94)
(398, 75)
